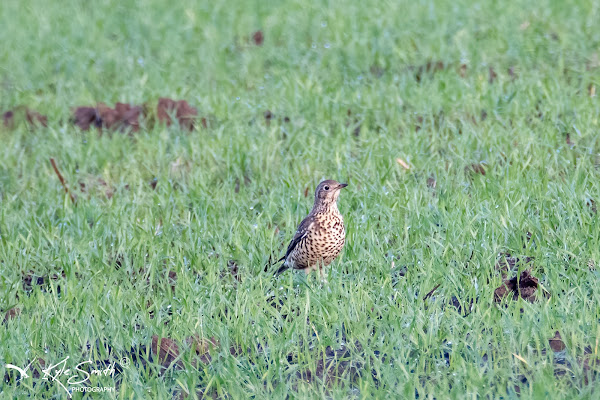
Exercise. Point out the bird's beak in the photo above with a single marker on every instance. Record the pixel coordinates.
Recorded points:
(342, 185)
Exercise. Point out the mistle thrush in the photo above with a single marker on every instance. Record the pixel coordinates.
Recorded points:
(321, 235)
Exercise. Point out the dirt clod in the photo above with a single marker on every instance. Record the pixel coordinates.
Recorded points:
(166, 350)
(34, 118)
(184, 114)
(556, 343)
(85, 117)
(475, 168)
(12, 313)
(431, 182)
(524, 286)
(8, 118)
(122, 117)
(507, 263)
(258, 38)
(492, 75)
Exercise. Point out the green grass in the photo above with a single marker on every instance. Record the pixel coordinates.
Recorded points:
(317, 62)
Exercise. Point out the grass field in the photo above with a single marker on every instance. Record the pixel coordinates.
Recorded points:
(492, 106)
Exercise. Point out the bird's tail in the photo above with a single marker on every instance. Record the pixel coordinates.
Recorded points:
(280, 270)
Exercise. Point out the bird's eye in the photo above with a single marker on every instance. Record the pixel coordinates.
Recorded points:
(326, 188)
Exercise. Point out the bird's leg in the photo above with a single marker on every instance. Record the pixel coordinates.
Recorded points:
(323, 274)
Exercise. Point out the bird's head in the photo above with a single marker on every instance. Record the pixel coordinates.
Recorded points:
(327, 193)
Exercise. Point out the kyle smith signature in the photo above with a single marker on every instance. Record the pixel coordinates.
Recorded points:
(78, 376)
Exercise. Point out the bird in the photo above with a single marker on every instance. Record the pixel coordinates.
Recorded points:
(321, 236)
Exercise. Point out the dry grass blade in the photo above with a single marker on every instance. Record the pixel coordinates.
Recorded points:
(62, 180)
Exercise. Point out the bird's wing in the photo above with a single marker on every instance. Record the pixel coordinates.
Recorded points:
(303, 230)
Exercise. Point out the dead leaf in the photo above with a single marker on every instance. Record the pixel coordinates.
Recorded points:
(463, 70)
(518, 357)
(403, 163)
(592, 90)
(430, 293)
